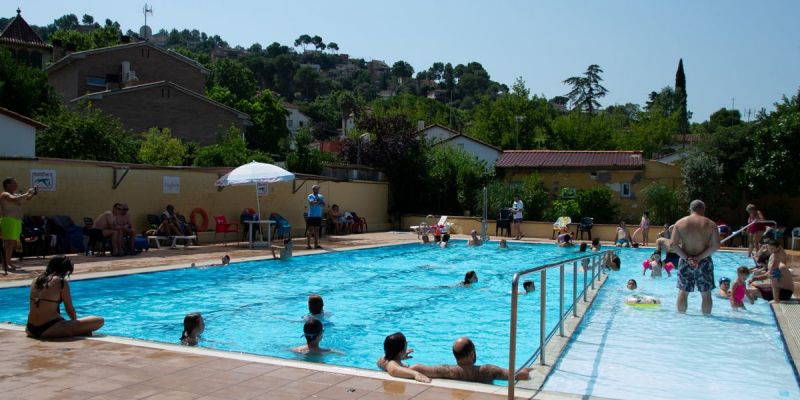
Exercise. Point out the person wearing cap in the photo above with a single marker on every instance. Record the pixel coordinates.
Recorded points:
(314, 222)
(312, 331)
(724, 288)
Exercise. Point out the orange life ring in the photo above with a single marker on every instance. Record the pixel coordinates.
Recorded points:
(192, 217)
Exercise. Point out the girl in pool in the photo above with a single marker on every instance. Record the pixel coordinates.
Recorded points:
(48, 291)
(632, 284)
(469, 278)
(193, 327)
(739, 289)
(395, 350)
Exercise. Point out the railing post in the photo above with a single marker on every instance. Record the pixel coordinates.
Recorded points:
(561, 301)
(542, 316)
(512, 347)
(584, 284)
(574, 289)
(593, 263)
(599, 268)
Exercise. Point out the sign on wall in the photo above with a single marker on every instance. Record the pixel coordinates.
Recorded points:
(568, 193)
(172, 184)
(44, 179)
(262, 189)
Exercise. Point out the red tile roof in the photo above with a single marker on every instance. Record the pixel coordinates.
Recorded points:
(19, 33)
(571, 159)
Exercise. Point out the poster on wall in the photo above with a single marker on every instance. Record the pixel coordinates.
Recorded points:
(262, 189)
(44, 179)
(172, 184)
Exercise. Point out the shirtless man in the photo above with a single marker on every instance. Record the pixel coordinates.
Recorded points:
(106, 222)
(474, 239)
(694, 239)
(466, 370)
(123, 225)
(11, 218)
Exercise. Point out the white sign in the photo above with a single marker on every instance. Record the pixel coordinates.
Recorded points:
(262, 189)
(44, 179)
(172, 184)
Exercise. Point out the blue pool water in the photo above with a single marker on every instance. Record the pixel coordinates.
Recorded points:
(258, 307)
(623, 352)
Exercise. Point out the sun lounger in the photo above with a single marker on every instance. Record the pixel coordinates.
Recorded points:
(158, 239)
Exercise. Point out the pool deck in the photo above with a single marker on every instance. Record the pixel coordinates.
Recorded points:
(117, 368)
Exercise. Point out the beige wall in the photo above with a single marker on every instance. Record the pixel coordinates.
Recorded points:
(84, 189)
(530, 229)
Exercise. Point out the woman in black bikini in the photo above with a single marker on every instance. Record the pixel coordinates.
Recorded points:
(48, 290)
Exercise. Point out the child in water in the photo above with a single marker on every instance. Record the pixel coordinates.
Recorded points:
(193, 327)
(739, 289)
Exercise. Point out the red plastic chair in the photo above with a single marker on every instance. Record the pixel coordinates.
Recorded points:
(359, 224)
(224, 227)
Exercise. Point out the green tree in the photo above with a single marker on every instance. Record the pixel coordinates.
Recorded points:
(598, 203)
(24, 89)
(317, 42)
(775, 140)
(268, 131)
(234, 76)
(159, 147)
(665, 205)
(302, 159)
(680, 92)
(534, 197)
(586, 89)
(702, 177)
(455, 179)
(86, 134)
(303, 40)
(230, 151)
(333, 46)
(564, 208)
(402, 70)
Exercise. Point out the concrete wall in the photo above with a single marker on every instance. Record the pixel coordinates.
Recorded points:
(150, 65)
(18, 138)
(631, 207)
(530, 229)
(163, 106)
(84, 189)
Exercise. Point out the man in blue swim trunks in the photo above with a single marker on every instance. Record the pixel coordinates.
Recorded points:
(695, 238)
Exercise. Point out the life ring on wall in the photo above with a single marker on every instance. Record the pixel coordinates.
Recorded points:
(193, 217)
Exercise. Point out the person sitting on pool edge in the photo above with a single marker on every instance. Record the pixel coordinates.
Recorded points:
(48, 291)
(313, 331)
(623, 237)
(469, 278)
(395, 350)
(193, 327)
(474, 239)
(465, 368)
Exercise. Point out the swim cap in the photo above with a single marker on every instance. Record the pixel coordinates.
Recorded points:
(721, 280)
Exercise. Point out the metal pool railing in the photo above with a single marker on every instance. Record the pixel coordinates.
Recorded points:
(732, 235)
(594, 261)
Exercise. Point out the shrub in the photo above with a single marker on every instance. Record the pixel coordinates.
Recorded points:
(534, 197)
(665, 205)
(568, 208)
(160, 148)
(597, 203)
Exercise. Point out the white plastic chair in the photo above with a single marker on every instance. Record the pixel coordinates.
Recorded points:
(795, 235)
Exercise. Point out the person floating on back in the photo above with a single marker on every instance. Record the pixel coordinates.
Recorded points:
(465, 368)
(193, 327)
(395, 350)
(48, 291)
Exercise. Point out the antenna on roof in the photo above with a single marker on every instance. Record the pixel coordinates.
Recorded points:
(146, 10)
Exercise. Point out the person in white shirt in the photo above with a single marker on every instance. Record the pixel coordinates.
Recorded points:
(516, 209)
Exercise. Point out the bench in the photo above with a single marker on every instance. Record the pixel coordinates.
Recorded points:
(158, 239)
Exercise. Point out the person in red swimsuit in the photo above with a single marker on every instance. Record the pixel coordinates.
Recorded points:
(754, 231)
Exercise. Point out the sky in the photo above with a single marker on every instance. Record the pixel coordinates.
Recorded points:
(740, 54)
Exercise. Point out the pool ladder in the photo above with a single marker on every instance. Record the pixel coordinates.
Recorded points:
(595, 262)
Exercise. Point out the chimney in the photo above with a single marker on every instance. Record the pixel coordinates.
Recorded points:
(58, 50)
(420, 125)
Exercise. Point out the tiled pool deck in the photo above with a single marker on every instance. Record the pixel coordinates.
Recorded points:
(116, 368)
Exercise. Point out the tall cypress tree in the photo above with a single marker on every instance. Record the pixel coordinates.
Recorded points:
(680, 93)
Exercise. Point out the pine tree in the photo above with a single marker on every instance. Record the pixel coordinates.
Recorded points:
(680, 92)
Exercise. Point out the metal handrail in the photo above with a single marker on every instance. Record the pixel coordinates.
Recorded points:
(595, 261)
(731, 236)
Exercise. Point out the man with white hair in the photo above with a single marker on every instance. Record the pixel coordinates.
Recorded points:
(314, 222)
(695, 238)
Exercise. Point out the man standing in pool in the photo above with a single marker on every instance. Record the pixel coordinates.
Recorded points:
(314, 222)
(695, 238)
(466, 370)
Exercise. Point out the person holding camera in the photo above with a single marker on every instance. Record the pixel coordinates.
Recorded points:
(11, 218)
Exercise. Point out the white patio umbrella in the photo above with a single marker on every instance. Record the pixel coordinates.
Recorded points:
(255, 173)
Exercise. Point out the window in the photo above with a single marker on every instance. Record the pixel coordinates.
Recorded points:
(301, 123)
(95, 81)
(289, 123)
(625, 190)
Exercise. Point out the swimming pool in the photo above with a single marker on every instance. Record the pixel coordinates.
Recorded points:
(258, 307)
(623, 352)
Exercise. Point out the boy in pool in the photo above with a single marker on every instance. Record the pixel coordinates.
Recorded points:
(631, 284)
(503, 244)
(724, 290)
(528, 286)
(469, 278)
(312, 330)
(315, 307)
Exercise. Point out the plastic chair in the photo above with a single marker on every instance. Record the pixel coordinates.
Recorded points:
(224, 227)
(504, 218)
(248, 214)
(795, 235)
(562, 222)
(360, 223)
(95, 237)
(586, 226)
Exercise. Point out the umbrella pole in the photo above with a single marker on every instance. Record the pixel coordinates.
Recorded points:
(258, 207)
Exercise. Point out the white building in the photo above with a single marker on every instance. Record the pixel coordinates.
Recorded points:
(295, 120)
(18, 133)
(440, 135)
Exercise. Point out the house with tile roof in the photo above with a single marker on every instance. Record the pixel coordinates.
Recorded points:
(24, 44)
(19, 134)
(564, 172)
(440, 135)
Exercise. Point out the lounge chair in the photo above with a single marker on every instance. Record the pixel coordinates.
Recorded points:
(561, 223)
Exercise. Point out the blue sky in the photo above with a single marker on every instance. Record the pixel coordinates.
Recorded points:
(734, 51)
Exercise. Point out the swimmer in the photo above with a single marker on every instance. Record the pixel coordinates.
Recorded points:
(445, 240)
(503, 244)
(724, 288)
(739, 289)
(474, 239)
(312, 330)
(564, 240)
(193, 327)
(632, 284)
(528, 286)
(582, 247)
(315, 307)
(395, 350)
(226, 259)
(469, 278)
(425, 238)
(612, 262)
(595, 244)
